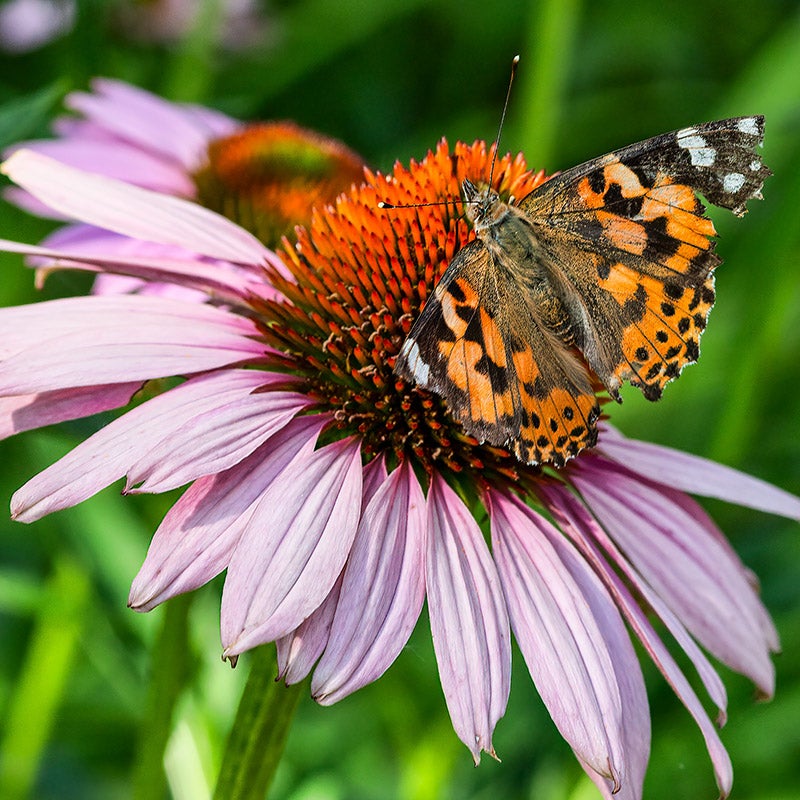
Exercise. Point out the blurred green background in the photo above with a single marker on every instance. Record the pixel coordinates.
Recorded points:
(390, 79)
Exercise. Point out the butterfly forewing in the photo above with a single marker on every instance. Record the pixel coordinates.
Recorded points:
(503, 375)
(630, 240)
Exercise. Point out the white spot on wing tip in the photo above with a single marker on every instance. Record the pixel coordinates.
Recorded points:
(732, 182)
(748, 125)
(701, 154)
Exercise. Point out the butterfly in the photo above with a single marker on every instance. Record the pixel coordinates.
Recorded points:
(605, 269)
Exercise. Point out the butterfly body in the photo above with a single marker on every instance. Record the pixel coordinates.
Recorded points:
(606, 268)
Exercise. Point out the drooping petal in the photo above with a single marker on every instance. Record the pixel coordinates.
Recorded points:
(299, 650)
(382, 592)
(701, 517)
(296, 543)
(84, 341)
(215, 440)
(705, 670)
(697, 475)
(131, 210)
(221, 282)
(108, 454)
(197, 536)
(582, 528)
(28, 411)
(575, 645)
(700, 581)
(469, 621)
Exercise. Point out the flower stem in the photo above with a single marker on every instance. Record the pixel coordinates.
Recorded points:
(169, 674)
(259, 732)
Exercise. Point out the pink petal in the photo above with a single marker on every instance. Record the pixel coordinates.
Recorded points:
(27, 202)
(469, 621)
(295, 546)
(214, 440)
(196, 538)
(131, 210)
(299, 650)
(114, 159)
(704, 586)
(27, 411)
(575, 645)
(695, 510)
(221, 282)
(81, 341)
(708, 675)
(697, 475)
(108, 454)
(581, 527)
(382, 592)
(146, 120)
(215, 122)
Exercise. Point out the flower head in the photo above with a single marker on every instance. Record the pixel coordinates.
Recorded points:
(338, 497)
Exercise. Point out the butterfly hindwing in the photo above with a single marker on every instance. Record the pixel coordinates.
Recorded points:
(508, 379)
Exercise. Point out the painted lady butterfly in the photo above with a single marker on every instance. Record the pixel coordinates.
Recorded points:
(608, 265)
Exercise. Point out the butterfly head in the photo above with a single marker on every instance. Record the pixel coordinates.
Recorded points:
(483, 206)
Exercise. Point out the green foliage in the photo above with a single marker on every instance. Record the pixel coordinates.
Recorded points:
(390, 79)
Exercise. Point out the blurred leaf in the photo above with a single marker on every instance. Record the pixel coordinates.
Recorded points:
(779, 99)
(20, 593)
(312, 31)
(190, 72)
(59, 623)
(26, 115)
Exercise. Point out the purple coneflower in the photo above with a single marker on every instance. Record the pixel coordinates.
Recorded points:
(339, 498)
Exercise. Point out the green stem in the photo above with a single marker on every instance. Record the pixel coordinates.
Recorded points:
(259, 732)
(169, 673)
(550, 45)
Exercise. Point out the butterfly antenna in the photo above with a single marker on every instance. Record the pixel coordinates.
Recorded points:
(515, 61)
(503, 117)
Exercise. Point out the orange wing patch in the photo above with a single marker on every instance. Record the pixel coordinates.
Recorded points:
(666, 324)
(556, 427)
